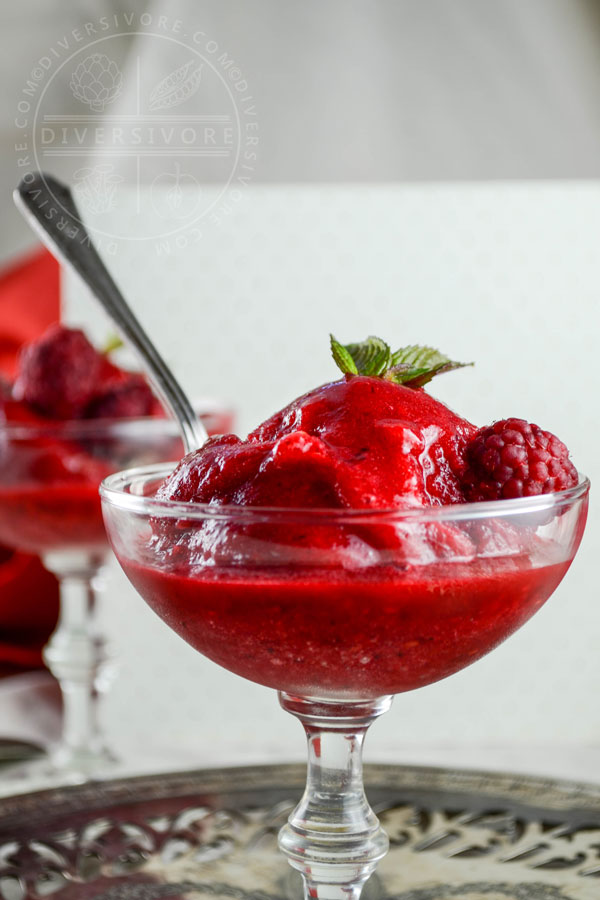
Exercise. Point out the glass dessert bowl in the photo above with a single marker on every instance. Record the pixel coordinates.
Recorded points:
(49, 506)
(363, 541)
(339, 610)
(50, 473)
(70, 417)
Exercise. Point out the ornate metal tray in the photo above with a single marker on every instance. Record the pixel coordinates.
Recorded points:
(212, 834)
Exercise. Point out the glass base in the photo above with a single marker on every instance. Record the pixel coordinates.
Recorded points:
(59, 766)
(295, 888)
(82, 763)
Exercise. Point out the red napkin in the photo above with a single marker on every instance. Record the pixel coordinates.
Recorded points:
(29, 302)
(28, 611)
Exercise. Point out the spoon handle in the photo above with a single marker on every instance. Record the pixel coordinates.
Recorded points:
(50, 210)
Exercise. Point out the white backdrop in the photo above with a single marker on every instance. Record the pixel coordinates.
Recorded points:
(507, 275)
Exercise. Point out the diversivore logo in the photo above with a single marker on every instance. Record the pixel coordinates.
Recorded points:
(152, 123)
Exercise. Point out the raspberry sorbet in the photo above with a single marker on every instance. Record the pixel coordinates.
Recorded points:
(57, 442)
(332, 552)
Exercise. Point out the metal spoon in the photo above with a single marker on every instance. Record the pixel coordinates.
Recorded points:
(49, 208)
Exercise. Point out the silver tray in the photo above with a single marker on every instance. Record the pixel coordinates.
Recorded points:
(212, 834)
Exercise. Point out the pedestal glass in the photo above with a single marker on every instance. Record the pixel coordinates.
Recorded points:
(338, 611)
(50, 506)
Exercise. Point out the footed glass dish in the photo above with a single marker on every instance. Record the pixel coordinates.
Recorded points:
(49, 505)
(339, 610)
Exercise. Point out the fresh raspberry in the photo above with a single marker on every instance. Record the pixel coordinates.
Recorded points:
(57, 373)
(128, 398)
(512, 458)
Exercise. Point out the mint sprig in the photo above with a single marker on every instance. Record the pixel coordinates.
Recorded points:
(412, 366)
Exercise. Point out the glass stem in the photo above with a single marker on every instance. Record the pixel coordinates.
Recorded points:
(333, 837)
(75, 655)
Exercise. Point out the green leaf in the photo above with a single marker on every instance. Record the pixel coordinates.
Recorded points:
(342, 357)
(412, 366)
(113, 342)
(416, 365)
(416, 356)
(370, 357)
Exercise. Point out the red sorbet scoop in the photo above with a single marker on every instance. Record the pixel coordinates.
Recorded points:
(357, 443)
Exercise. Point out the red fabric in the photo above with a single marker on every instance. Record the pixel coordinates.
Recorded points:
(28, 612)
(29, 302)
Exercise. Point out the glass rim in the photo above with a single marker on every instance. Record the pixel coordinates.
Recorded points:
(88, 428)
(114, 492)
(85, 428)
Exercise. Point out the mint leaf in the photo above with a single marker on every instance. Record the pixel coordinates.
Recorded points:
(412, 366)
(416, 365)
(416, 356)
(112, 343)
(370, 357)
(342, 357)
